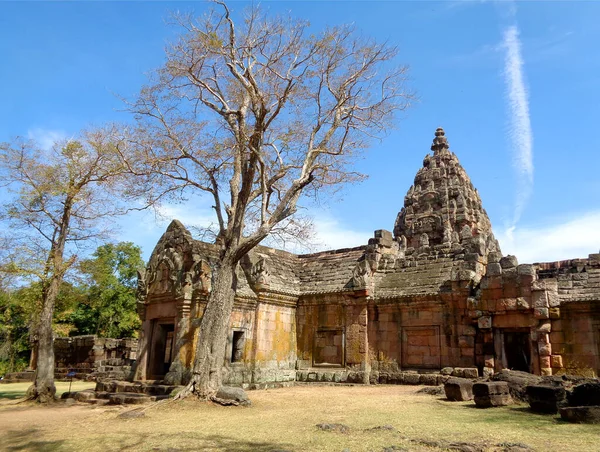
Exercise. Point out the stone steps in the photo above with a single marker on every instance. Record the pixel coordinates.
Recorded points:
(123, 393)
(138, 387)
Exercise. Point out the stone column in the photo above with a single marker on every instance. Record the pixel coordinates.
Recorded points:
(545, 300)
(141, 363)
(179, 372)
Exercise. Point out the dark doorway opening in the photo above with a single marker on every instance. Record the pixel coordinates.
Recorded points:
(237, 349)
(161, 354)
(517, 351)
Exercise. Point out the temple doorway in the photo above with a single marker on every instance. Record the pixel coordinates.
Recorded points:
(515, 353)
(161, 350)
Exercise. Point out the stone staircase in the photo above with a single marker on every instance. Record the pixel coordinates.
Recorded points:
(113, 392)
(112, 369)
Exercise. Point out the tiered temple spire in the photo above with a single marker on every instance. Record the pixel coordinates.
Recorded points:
(442, 207)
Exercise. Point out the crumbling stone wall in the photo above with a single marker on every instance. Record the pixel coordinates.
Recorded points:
(93, 357)
(436, 293)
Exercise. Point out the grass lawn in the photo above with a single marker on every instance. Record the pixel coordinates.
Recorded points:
(285, 419)
(13, 391)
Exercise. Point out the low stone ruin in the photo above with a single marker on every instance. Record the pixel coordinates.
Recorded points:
(491, 393)
(459, 389)
(546, 398)
(583, 404)
(92, 357)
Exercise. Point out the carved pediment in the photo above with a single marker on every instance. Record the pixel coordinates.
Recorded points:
(165, 272)
(201, 276)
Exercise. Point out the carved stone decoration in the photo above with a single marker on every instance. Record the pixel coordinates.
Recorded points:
(361, 275)
(165, 272)
(466, 233)
(447, 235)
(423, 240)
(441, 202)
(402, 241)
(257, 272)
(260, 273)
(201, 276)
(142, 287)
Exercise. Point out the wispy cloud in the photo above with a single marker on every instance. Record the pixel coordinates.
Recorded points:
(330, 234)
(46, 138)
(519, 129)
(556, 240)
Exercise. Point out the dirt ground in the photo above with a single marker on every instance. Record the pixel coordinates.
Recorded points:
(378, 418)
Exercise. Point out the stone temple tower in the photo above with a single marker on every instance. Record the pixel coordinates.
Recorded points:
(443, 209)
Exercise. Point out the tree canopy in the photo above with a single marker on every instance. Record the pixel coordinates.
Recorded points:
(60, 201)
(256, 112)
(110, 280)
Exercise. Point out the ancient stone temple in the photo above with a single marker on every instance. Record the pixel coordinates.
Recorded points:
(435, 293)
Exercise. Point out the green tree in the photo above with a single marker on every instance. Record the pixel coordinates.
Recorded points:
(62, 199)
(109, 308)
(14, 333)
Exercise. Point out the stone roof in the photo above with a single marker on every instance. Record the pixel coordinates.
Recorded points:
(418, 278)
(329, 271)
(578, 279)
(442, 233)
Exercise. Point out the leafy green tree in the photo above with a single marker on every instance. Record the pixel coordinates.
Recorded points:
(59, 200)
(109, 308)
(14, 334)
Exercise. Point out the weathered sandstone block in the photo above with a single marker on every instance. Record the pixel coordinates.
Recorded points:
(459, 389)
(546, 399)
(581, 414)
(585, 394)
(491, 394)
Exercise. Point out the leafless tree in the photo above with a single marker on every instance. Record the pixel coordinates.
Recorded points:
(61, 199)
(257, 113)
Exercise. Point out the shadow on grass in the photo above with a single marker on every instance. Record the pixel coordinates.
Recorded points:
(189, 441)
(11, 395)
(27, 440)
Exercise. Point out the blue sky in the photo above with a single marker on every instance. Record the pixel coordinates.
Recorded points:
(516, 86)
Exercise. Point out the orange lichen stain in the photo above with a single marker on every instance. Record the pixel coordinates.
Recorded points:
(274, 342)
(353, 353)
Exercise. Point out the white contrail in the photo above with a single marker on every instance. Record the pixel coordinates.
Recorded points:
(520, 124)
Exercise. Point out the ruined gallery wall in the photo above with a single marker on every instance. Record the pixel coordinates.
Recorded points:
(85, 351)
(574, 296)
(332, 332)
(261, 346)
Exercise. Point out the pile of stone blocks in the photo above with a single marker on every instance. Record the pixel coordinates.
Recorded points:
(93, 358)
(491, 394)
(583, 404)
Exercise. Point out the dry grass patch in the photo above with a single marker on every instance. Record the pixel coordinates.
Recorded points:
(14, 391)
(285, 419)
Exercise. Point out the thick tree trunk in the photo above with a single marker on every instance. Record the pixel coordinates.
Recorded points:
(212, 337)
(33, 358)
(43, 389)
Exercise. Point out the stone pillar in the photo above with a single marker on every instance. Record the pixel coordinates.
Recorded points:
(179, 373)
(365, 365)
(545, 300)
(357, 341)
(141, 363)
